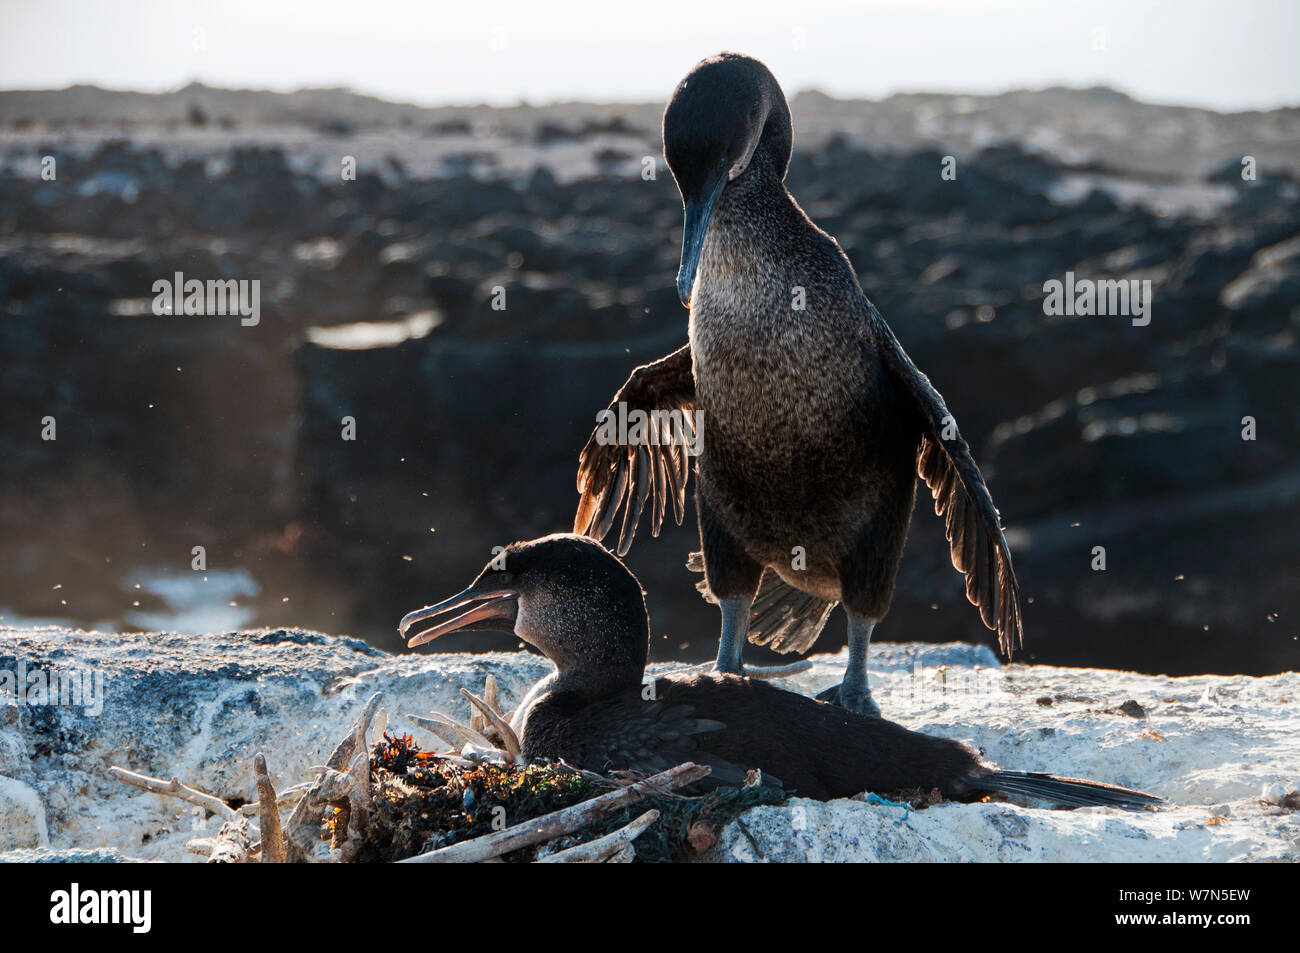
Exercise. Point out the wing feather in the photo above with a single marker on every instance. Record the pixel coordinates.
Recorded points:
(613, 478)
(977, 545)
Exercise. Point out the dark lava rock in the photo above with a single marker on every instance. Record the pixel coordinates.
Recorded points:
(178, 432)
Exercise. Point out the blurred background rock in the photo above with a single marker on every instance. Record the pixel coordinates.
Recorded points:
(175, 432)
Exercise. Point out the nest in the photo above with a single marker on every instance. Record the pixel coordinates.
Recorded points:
(391, 801)
(421, 802)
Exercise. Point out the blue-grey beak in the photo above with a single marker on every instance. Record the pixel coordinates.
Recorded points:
(694, 228)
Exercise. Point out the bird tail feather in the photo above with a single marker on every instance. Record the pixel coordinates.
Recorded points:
(1068, 792)
(782, 618)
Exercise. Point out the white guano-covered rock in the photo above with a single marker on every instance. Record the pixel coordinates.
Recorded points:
(200, 708)
(23, 816)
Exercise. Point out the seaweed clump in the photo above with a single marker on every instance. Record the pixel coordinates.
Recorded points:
(421, 802)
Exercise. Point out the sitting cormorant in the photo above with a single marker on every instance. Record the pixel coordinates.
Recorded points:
(570, 598)
(815, 422)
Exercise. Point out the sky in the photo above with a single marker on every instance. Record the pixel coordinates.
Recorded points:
(1226, 56)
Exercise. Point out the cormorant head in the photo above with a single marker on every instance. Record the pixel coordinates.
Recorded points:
(728, 108)
(565, 595)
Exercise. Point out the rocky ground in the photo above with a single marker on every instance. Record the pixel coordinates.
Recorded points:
(1223, 750)
(377, 305)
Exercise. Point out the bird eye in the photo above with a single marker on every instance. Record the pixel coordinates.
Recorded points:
(722, 163)
(505, 579)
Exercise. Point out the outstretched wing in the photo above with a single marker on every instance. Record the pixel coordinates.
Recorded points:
(971, 521)
(614, 476)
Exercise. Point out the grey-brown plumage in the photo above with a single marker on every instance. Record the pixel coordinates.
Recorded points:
(581, 607)
(815, 422)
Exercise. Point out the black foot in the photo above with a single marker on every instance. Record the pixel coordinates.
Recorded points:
(858, 701)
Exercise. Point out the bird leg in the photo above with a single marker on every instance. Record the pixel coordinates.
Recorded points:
(854, 694)
(735, 627)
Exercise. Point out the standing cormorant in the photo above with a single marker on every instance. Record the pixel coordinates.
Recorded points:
(567, 596)
(815, 422)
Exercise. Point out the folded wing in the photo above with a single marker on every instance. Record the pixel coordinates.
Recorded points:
(634, 734)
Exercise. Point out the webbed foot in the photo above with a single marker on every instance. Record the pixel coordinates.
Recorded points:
(851, 698)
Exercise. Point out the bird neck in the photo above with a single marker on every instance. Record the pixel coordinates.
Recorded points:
(760, 186)
(755, 216)
(589, 684)
(607, 657)
(745, 260)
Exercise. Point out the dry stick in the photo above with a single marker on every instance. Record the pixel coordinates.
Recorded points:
(282, 798)
(561, 822)
(451, 731)
(341, 756)
(232, 843)
(203, 846)
(268, 814)
(441, 732)
(302, 830)
(358, 793)
(173, 788)
(358, 805)
(603, 848)
(508, 736)
(477, 721)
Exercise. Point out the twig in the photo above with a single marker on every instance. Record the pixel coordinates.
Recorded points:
(451, 731)
(603, 849)
(232, 843)
(358, 804)
(203, 846)
(561, 822)
(173, 788)
(302, 830)
(508, 736)
(478, 721)
(285, 798)
(268, 814)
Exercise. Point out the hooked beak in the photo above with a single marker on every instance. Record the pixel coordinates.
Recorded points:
(696, 224)
(497, 610)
